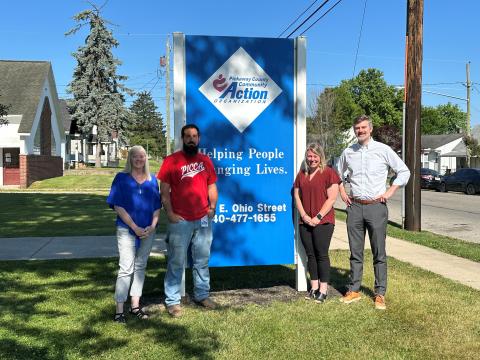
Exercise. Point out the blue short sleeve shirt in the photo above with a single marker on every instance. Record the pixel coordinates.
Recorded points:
(140, 201)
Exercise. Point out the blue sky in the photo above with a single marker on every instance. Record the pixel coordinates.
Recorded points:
(34, 30)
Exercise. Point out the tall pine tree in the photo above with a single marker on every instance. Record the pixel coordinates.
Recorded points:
(146, 126)
(97, 89)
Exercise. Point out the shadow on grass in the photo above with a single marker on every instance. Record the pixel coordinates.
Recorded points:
(63, 308)
(33, 291)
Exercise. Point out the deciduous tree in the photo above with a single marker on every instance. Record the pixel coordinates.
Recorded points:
(443, 119)
(388, 134)
(322, 126)
(368, 93)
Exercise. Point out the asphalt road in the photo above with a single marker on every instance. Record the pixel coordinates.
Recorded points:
(453, 214)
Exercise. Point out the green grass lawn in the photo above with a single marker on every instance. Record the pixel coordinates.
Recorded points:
(35, 214)
(89, 181)
(442, 243)
(51, 214)
(94, 183)
(62, 310)
(153, 164)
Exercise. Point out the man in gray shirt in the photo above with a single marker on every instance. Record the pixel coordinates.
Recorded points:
(366, 164)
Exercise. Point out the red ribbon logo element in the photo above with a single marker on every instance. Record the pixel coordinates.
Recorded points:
(220, 83)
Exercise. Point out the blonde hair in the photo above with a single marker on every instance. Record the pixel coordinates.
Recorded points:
(128, 165)
(317, 150)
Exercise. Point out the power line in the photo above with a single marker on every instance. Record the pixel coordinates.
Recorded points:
(321, 17)
(298, 17)
(320, 84)
(445, 83)
(359, 38)
(438, 83)
(141, 34)
(149, 82)
(140, 75)
(308, 18)
(153, 87)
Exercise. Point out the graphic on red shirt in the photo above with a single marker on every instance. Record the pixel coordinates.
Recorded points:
(188, 177)
(193, 169)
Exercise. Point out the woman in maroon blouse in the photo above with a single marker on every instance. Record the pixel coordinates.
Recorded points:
(315, 192)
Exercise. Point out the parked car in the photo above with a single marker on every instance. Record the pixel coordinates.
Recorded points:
(429, 179)
(466, 180)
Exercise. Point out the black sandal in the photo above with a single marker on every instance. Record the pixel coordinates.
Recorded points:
(120, 318)
(138, 312)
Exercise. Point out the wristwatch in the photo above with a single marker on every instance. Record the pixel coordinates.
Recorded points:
(319, 216)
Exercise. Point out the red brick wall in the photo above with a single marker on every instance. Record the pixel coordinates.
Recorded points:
(39, 167)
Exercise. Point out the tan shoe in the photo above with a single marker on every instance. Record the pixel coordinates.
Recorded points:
(208, 303)
(380, 302)
(174, 310)
(350, 296)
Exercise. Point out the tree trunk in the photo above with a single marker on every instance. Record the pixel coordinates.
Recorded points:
(98, 155)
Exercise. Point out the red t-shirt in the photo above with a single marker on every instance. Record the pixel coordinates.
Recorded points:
(188, 177)
(313, 193)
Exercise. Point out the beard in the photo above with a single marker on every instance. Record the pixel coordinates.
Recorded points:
(190, 149)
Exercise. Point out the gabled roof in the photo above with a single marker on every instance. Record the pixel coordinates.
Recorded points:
(435, 141)
(458, 151)
(21, 85)
(67, 119)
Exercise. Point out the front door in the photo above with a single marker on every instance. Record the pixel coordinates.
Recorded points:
(11, 166)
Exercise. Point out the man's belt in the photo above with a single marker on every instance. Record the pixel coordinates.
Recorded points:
(365, 202)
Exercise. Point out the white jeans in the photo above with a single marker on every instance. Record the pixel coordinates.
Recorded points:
(132, 264)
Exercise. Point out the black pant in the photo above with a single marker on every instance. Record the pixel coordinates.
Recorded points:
(316, 241)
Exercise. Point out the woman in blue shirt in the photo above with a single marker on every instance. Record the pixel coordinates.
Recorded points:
(136, 199)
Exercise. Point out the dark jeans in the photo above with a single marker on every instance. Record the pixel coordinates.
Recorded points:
(316, 241)
(372, 218)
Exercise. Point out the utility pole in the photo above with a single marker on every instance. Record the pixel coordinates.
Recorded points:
(469, 85)
(167, 90)
(413, 89)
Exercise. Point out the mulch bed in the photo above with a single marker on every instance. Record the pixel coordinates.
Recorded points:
(239, 298)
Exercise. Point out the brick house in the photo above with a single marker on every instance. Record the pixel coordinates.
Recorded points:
(32, 145)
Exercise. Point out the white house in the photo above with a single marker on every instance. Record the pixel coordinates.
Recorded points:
(443, 152)
(32, 144)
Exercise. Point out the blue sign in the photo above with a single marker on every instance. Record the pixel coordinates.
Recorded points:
(240, 93)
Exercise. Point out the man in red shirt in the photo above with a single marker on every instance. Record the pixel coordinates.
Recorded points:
(189, 196)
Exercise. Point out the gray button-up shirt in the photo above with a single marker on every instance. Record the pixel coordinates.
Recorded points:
(367, 168)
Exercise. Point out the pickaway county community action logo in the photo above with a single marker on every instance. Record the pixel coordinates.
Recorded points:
(240, 89)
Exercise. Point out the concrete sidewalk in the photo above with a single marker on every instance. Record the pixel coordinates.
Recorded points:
(449, 266)
(73, 247)
(452, 267)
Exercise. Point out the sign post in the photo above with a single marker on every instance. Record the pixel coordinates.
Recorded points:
(248, 97)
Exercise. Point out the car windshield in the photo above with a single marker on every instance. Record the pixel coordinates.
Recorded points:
(425, 171)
